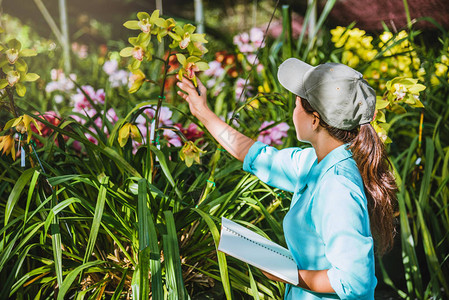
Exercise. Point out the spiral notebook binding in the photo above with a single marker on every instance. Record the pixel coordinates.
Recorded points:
(256, 243)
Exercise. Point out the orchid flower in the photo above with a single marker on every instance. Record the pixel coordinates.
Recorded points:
(22, 125)
(184, 38)
(7, 145)
(128, 130)
(190, 66)
(190, 153)
(145, 23)
(15, 67)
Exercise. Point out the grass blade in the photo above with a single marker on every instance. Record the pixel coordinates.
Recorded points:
(144, 240)
(253, 284)
(172, 260)
(17, 190)
(70, 278)
(96, 221)
(222, 264)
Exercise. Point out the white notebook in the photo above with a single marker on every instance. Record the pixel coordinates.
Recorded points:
(254, 249)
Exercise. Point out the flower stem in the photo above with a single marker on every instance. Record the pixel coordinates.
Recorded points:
(161, 96)
(10, 93)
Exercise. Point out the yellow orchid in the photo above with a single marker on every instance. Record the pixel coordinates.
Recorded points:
(136, 80)
(185, 38)
(166, 26)
(190, 153)
(14, 54)
(22, 125)
(190, 66)
(128, 130)
(145, 23)
(7, 145)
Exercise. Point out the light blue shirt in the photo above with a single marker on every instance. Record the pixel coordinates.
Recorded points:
(327, 226)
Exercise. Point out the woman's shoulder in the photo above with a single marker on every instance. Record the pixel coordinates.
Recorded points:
(343, 180)
(347, 170)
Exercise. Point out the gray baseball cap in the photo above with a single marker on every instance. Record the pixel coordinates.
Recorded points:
(337, 92)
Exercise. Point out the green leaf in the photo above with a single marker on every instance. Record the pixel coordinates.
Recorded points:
(118, 290)
(149, 253)
(70, 278)
(166, 170)
(172, 259)
(96, 221)
(220, 255)
(56, 244)
(31, 77)
(253, 284)
(120, 161)
(134, 25)
(17, 190)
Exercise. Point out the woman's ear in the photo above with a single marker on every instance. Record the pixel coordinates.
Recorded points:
(315, 121)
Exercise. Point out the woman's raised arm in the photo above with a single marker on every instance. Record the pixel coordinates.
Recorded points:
(236, 143)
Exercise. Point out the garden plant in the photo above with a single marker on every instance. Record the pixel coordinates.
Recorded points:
(110, 189)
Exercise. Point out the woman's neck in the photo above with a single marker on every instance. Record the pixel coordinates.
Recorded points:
(324, 144)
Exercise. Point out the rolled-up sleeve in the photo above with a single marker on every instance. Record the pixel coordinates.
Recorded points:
(278, 168)
(342, 220)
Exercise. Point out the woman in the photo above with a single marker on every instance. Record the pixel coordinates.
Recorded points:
(343, 189)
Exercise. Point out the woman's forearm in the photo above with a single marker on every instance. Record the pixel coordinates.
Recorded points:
(312, 280)
(236, 143)
(315, 281)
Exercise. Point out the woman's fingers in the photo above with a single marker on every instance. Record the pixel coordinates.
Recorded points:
(187, 86)
(201, 86)
(184, 96)
(185, 83)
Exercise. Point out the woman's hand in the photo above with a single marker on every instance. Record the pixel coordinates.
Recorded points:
(272, 277)
(232, 140)
(197, 103)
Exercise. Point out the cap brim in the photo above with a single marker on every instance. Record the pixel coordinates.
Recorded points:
(291, 75)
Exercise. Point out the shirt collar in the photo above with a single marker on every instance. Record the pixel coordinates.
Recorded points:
(331, 159)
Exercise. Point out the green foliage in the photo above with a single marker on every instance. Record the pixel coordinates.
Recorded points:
(115, 222)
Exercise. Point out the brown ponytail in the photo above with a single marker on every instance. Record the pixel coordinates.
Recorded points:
(370, 155)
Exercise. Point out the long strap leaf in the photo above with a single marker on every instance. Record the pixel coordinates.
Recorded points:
(96, 221)
(70, 278)
(17, 190)
(222, 264)
(173, 269)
